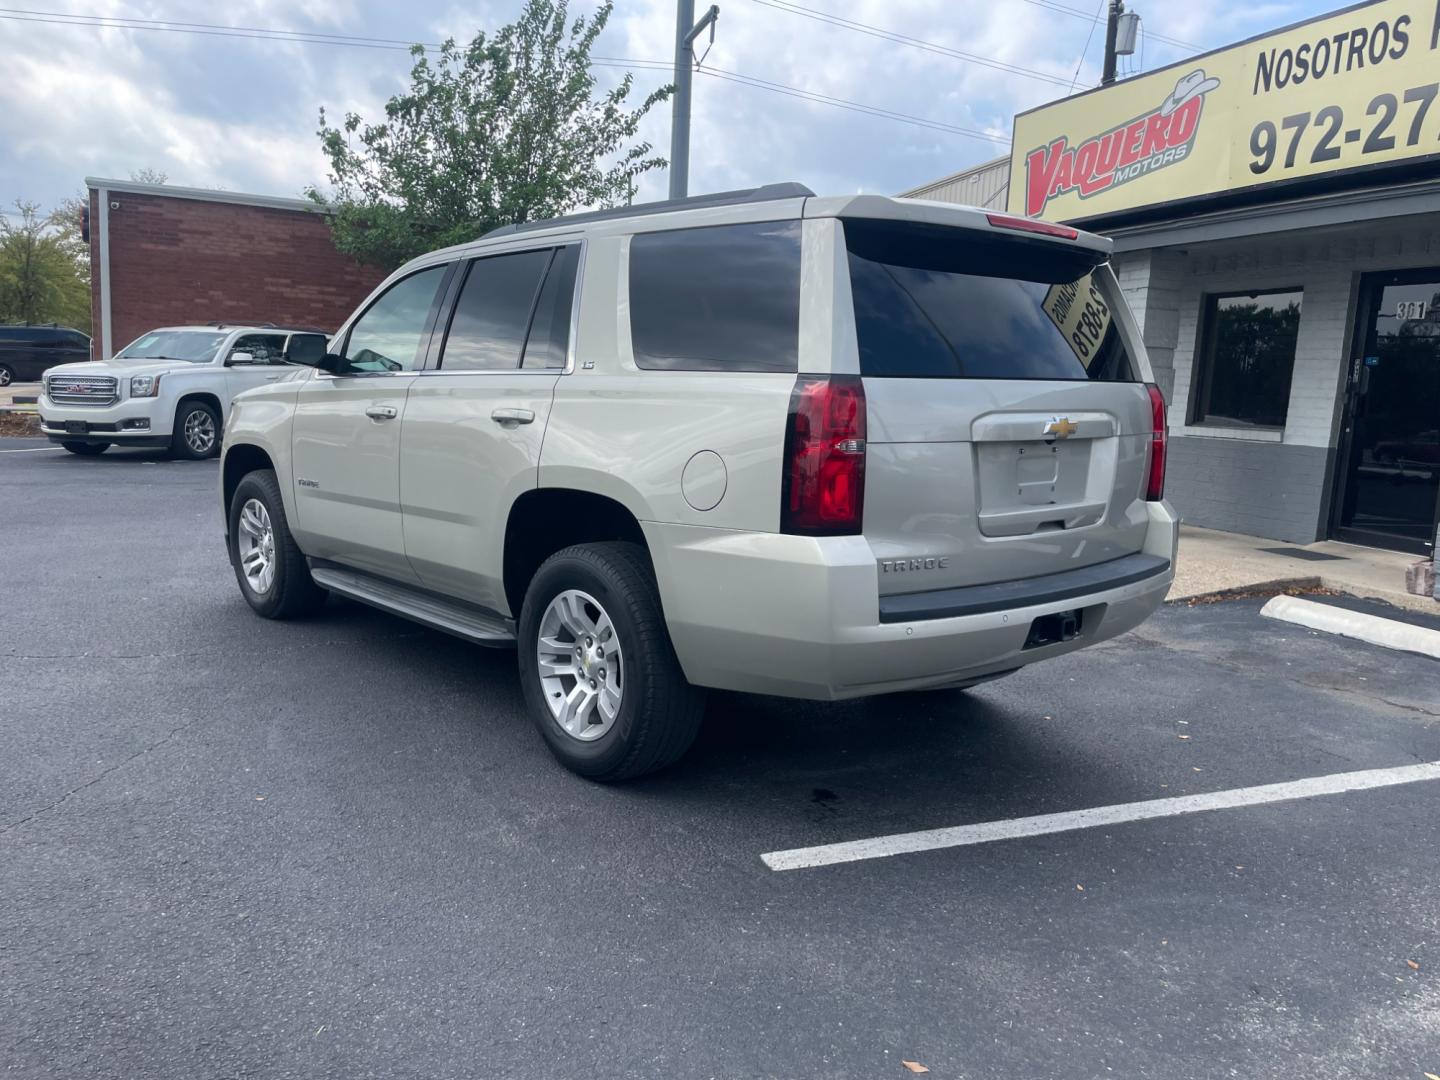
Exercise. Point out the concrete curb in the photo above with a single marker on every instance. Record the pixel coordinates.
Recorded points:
(1386, 633)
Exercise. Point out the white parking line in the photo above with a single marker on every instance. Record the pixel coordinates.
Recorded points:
(880, 847)
(31, 450)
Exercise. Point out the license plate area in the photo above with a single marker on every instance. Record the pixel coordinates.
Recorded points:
(76, 427)
(1037, 486)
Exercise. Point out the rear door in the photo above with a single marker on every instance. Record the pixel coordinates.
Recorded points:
(474, 421)
(38, 351)
(1009, 423)
(266, 364)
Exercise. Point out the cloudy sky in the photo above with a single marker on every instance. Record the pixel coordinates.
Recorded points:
(239, 112)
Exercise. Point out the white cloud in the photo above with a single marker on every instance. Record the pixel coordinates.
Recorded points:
(241, 113)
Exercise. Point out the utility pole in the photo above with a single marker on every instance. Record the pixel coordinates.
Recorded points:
(1112, 25)
(686, 31)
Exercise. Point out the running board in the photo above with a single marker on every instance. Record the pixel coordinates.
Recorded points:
(463, 620)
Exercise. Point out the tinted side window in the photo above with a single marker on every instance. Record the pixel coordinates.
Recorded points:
(264, 348)
(487, 330)
(550, 331)
(388, 336)
(725, 298)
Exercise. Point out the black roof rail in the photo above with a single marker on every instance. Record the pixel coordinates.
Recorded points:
(765, 193)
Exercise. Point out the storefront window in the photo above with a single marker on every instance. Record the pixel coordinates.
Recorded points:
(1248, 357)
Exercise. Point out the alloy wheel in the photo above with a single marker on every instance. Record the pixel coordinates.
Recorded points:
(256, 545)
(199, 431)
(582, 668)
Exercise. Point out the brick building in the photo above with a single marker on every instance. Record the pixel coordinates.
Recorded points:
(1275, 211)
(163, 256)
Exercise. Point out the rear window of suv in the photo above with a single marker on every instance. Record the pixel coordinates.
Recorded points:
(934, 302)
(719, 298)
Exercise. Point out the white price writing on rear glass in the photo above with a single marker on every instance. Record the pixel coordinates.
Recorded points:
(1410, 310)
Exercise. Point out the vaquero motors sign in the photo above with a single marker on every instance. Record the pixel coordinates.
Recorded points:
(1346, 93)
(1130, 150)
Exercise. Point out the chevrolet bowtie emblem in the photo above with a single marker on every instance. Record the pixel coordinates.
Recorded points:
(1061, 427)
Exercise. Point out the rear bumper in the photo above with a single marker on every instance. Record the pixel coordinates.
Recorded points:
(800, 616)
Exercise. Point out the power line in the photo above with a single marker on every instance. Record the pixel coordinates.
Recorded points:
(842, 103)
(1088, 37)
(808, 95)
(124, 22)
(897, 38)
(912, 42)
(1065, 9)
(306, 38)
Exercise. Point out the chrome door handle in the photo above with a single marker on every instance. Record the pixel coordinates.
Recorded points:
(381, 412)
(513, 416)
(271, 378)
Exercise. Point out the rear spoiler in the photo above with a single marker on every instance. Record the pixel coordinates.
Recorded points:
(926, 212)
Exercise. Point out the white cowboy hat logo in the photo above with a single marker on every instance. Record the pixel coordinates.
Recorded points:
(1189, 86)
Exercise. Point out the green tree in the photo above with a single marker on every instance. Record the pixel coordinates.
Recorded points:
(44, 267)
(505, 129)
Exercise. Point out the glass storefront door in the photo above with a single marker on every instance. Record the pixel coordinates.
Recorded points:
(1390, 463)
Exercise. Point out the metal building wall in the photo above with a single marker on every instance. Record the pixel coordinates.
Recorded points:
(986, 185)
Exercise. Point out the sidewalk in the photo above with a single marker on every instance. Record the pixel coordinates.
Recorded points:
(1212, 561)
(8, 394)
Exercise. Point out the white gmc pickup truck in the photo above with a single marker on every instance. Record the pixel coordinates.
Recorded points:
(171, 387)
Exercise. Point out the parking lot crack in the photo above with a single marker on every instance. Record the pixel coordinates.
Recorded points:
(142, 752)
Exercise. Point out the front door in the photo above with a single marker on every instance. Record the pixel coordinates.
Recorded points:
(1390, 453)
(346, 439)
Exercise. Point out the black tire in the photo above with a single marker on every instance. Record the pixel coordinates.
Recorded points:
(179, 446)
(7, 375)
(293, 591)
(660, 713)
(86, 449)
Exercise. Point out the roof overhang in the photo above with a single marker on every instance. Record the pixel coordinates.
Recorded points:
(1298, 215)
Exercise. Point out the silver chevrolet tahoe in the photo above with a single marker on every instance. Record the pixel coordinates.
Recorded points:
(759, 441)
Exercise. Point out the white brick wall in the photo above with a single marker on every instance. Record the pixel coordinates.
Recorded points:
(1327, 268)
(1265, 483)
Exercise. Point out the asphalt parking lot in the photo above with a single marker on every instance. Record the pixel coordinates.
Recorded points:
(337, 848)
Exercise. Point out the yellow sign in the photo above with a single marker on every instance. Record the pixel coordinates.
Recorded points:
(1343, 92)
(1081, 315)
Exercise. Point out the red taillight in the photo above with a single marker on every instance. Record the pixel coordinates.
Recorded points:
(1159, 439)
(823, 489)
(1025, 224)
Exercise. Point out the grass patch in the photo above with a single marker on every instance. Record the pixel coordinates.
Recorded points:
(1263, 590)
(24, 425)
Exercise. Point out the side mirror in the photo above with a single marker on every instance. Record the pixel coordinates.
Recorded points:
(335, 365)
(306, 349)
(239, 359)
